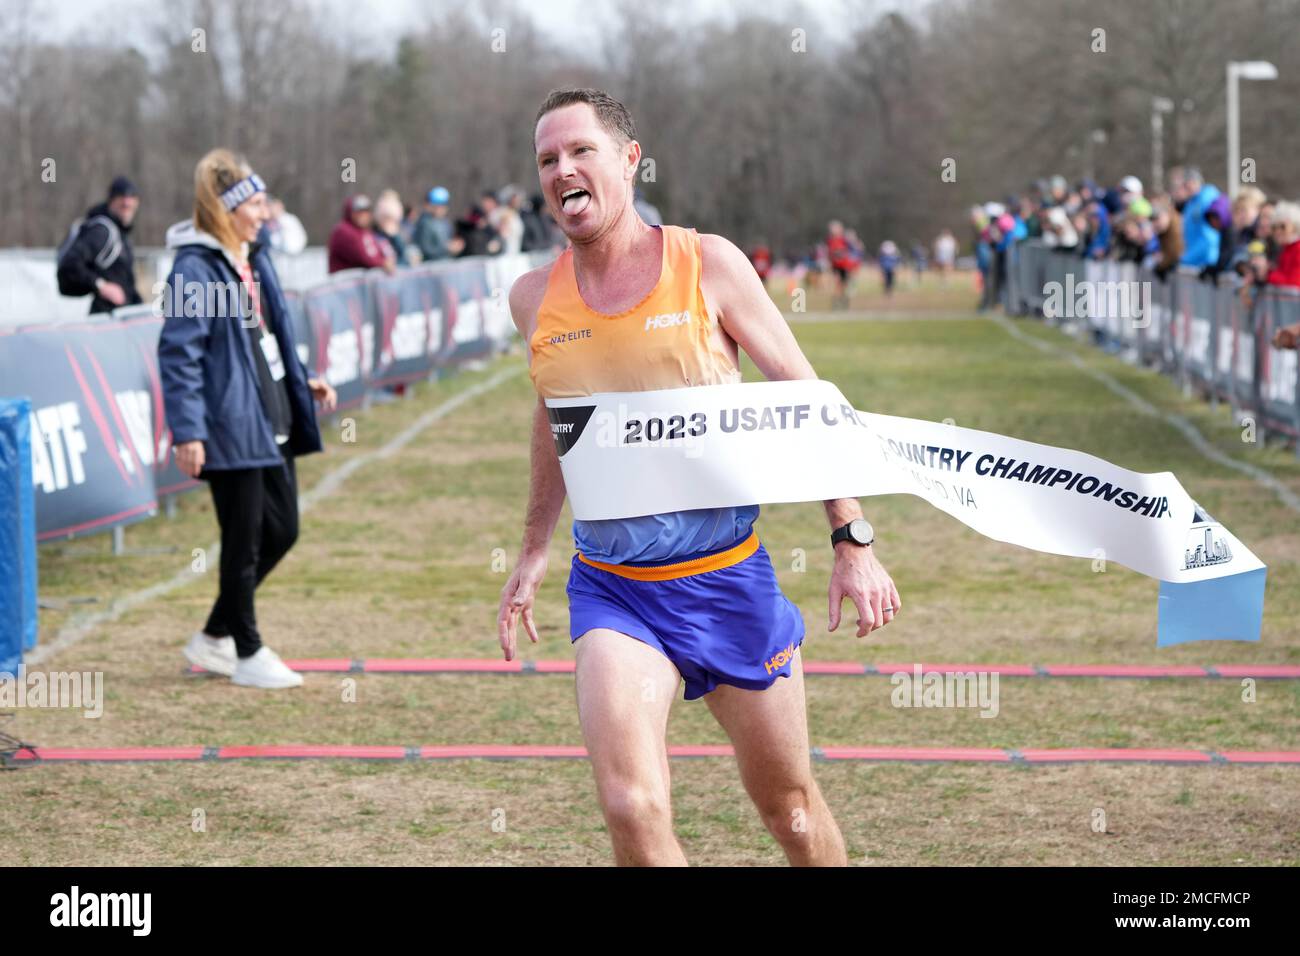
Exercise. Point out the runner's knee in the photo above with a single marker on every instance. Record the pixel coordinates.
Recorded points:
(631, 807)
(787, 811)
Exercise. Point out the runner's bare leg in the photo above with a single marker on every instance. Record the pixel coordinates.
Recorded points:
(625, 691)
(769, 729)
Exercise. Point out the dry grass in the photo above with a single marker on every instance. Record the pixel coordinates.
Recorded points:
(352, 813)
(400, 563)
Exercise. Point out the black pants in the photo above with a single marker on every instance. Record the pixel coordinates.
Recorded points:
(257, 509)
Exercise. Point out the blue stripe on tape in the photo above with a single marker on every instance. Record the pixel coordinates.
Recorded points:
(1220, 609)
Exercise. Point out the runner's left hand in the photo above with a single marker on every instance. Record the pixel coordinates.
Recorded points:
(863, 579)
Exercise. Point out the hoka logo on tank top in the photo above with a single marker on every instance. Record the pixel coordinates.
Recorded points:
(664, 341)
(667, 321)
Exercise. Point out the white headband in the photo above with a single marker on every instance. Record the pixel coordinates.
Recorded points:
(242, 190)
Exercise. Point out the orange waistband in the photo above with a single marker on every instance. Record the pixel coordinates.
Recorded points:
(666, 572)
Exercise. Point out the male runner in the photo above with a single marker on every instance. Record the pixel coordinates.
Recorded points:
(689, 595)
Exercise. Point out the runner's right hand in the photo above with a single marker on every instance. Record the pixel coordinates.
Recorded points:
(517, 599)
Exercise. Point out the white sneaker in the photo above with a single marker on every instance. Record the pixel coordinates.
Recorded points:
(264, 669)
(214, 654)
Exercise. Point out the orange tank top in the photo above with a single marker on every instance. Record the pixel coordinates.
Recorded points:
(664, 341)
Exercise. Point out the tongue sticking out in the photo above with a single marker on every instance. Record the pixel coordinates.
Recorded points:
(576, 203)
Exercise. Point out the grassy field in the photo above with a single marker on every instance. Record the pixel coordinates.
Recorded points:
(399, 561)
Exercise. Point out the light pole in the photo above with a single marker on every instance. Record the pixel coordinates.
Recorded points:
(1247, 70)
(1160, 105)
(1097, 136)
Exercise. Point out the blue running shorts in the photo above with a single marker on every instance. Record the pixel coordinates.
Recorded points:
(719, 617)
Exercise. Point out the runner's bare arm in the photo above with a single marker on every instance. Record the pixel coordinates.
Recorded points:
(751, 318)
(545, 487)
(546, 481)
(747, 314)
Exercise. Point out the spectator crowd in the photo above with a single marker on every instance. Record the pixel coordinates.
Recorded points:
(96, 257)
(1192, 225)
(390, 235)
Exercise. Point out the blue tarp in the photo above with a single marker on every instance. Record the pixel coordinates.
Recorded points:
(17, 534)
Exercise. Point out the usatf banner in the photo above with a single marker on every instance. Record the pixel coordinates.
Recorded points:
(101, 449)
(637, 453)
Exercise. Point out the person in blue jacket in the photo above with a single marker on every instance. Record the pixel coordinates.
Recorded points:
(1098, 246)
(1200, 239)
(239, 404)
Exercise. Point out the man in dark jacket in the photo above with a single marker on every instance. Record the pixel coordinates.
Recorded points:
(476, 234)
(99, 260)
(536, 236)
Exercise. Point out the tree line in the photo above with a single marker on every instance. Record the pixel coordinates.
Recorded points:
(761, 124)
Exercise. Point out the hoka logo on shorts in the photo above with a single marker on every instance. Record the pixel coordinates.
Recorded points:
(667, 320)
(780, 659)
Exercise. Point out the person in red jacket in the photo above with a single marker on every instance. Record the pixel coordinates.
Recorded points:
(1286, 233)
(844, 261)
(353, 244)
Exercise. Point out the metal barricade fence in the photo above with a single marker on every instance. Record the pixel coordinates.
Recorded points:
(1010, 291)
(1113, 301)
(1275, 393)
(1194, 329)
(1206, 334)
(1233, 346)
(1027, 258)
(1032, 262)
(363, 332)
(1058, 267)
(1156, 344)
(1133, 308)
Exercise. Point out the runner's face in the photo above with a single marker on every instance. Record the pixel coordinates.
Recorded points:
(577, 158)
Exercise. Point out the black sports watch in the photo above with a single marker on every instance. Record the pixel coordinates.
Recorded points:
(858, 531)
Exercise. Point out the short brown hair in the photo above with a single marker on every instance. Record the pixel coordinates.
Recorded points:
(612, 114)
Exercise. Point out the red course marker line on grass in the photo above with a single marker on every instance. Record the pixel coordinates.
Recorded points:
(1006, 670)
(311, 664)
(944, 754)
(95, 754)
(311, 752)
(489, 665)
(1258, 756)
(438, 665)
(1093, 754)
(1275, 671)
(501, 751)
(1125, 670)
(535, 751)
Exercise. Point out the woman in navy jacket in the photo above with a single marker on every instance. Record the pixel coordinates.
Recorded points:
(239, 404)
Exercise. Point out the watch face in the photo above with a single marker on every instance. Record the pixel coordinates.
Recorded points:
(861, 531)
